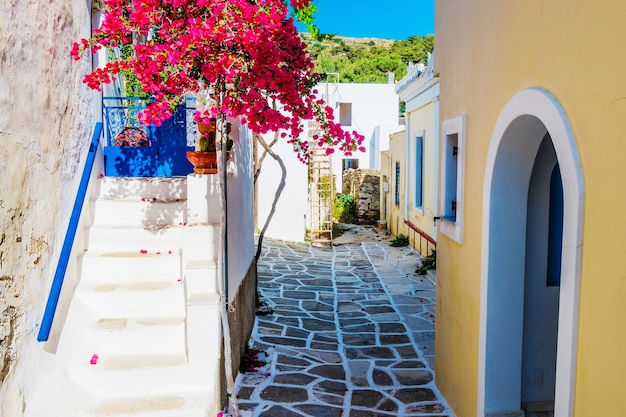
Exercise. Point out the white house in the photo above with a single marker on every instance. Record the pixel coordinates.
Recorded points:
(369, 109)
(410, 167)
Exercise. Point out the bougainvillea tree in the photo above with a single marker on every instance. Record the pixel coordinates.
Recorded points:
(247, 51)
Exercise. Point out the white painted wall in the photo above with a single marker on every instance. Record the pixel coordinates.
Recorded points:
(289, 221)
(373, 105)
(374, 114)
(46, 121)
(240, 188)
(379, 142)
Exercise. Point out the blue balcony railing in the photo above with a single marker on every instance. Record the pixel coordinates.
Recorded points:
(165, 146)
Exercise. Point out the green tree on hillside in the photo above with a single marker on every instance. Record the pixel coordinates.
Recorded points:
(365, 60)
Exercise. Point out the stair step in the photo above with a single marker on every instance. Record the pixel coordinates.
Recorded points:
(135, 212)
(118, 303)
(130, 268)
(125, 239)
(131, 391)
(131, 345)
(178, 412)
(149, 407)
(151, 323)
(162, 188)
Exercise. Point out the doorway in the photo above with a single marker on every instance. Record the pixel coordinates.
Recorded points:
(528, 315)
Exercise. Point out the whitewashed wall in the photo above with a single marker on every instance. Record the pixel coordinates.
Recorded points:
(240, 188)
(374, 113)
(373, 105)
(46, 120)
(288, 222)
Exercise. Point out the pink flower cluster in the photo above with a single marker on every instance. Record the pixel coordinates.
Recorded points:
(250, 46)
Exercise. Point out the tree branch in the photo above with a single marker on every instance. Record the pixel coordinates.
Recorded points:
(279, 190)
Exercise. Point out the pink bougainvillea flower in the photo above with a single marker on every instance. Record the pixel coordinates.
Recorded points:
(248, 51)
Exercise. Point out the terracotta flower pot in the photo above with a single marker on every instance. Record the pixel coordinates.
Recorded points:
(203, 162)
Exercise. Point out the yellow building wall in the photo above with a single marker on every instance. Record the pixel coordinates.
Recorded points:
(487, 51)
(423, 119)
(395, 213)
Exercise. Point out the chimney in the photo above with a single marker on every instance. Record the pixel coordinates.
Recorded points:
(390, 78)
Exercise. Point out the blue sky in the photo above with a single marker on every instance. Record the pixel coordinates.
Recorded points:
(395, 20)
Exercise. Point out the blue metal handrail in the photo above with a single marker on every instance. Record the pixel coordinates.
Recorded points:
(57, 282)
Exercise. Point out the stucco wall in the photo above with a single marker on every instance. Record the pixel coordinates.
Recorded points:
(289, 221)
(487, 52)
(423, 121)
(46, 120)
(372, 105)
(394, 213)
(241, 206)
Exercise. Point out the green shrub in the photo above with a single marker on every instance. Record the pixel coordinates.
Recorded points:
(344, 209)
(399, 241)
(428, 262)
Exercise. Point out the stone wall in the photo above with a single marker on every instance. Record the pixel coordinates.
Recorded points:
(364, 185)
(46, 119)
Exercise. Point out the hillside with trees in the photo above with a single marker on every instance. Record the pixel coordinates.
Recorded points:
(358, 60)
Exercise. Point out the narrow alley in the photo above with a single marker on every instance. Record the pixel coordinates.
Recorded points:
(351, 334)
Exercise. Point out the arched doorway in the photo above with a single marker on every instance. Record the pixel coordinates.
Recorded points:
(522, 356)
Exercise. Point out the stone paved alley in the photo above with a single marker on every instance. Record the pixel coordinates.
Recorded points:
(352, 334)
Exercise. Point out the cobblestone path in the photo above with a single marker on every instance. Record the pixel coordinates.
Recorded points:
(352, 334)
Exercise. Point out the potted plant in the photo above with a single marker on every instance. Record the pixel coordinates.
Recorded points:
(204, 158)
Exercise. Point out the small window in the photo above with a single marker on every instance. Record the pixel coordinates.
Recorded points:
(419, 170)
(397, 190)
(453, 160)
(345, 114)
(351, 163)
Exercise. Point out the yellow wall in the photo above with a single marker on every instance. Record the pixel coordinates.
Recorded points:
(487, 51)
(395, 214)
(423, 119)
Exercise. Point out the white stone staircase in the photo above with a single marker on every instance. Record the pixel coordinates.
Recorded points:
(142, 336)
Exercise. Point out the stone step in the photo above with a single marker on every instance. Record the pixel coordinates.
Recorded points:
(122, 239)
(136, 212)
(128, 269)
(162, 391)
(161, 188)
(144, 390)
(123, 344)
(177, 412)
(141, 306)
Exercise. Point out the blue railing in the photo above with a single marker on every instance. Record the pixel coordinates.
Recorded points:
(134, 149)
(123, 112)
(57, 281)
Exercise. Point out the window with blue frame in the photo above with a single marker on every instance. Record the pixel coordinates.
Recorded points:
(419, 170)
(397, 190)
(451, 167)
(452, 177)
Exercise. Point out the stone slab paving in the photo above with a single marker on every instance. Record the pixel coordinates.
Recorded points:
(352, 334)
